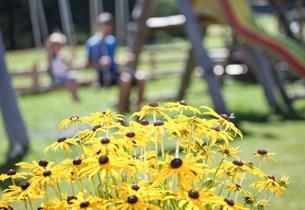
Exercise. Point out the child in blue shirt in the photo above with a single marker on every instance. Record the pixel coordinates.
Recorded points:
(101, 49)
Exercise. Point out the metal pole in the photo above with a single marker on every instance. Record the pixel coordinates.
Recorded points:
(42, 20)
(13, 122)
(94, 12)
(264, 76)
(120, 19)
(195, 36)
(66, 19)
(35, 23)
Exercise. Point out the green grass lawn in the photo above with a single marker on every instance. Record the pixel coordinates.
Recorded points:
(262, 129)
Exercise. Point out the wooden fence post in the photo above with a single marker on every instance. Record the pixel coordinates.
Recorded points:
(35, 79)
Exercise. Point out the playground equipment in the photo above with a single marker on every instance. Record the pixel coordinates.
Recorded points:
(238, 15)
(13, 123)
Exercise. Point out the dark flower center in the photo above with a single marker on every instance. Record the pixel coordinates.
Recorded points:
(249, 200)
(229, 202)
(238, 163)
(237, 186)
(193, 194)
(153, 104)
(158, 123)
(262, 152)
(74, 117)
(46, 173)
(226, 151)
(132, 199)
(103, 159)
(40, 208)
(135, 187)
(77, 161)
(25, 185)
(11, 172)
(71, 197)
(216, 128)
(183, 102)
(271, 177)
(130, 134)
(176, 163)
(144, 122)
(84, 204)
(61, 139)
(105, 140)
(96, 127)
(43, 163)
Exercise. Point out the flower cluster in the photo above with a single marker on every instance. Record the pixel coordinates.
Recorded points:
(114, 164)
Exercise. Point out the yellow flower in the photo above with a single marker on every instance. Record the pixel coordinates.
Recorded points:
(216, 133)
(65, 123)
(105, 145)
(228, 151)
(237, 188)
(229, 204)
(102, 165)
(141, 188)
(261, 204)
(264, 154)
(195, 199)
(62, 143)
(134, 201)
(12, 174)
(181, 106)
(188, 169)
(152, 108)
(134, 136)
(71, 168)
(26, 191)
(269, 184)
(46, 176)
(223, 120)
(85, 202)
(106, 118)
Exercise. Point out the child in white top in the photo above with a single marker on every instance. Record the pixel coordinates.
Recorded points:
(59, 66)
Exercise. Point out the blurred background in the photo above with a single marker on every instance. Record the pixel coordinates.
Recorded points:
(246, 57)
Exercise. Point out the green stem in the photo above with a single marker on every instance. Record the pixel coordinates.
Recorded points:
(177, 149)
(59, 191)
(26, 207)
(215, 174)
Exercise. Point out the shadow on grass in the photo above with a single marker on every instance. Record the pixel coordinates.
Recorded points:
(10, 164)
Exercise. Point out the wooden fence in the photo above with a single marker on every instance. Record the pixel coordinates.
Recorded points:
(151, 61)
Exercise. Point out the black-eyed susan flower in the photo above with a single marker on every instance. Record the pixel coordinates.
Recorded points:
(63, 143)
(223, 121)
(66, 122)
(181, 106)
(262, 204)
(264, 154)
(152, 108)
(87, 202)
(195, 199)
(235, 188)
(229, 204)
(188, 169)
(228, 151)
(102, 165)
(13, 174)
(269, 183)
(134, 202)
